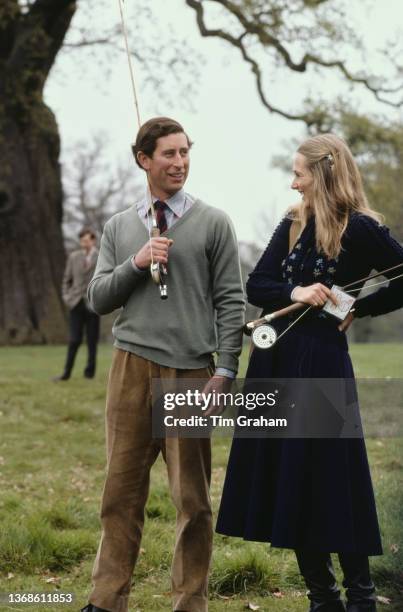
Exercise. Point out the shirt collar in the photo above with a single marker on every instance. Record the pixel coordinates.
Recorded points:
(90, 252)
(176, 203)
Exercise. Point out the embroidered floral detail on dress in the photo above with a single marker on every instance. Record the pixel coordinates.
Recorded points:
(305, 265)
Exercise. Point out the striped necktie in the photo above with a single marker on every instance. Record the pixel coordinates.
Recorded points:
(160, 208)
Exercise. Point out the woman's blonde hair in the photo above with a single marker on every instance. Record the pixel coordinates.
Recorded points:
(337, 191)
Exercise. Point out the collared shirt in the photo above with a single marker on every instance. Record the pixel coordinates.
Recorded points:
(90, 255)
(177, 205)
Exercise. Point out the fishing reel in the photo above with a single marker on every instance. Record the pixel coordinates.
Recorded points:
(263, 336)
(158, 274)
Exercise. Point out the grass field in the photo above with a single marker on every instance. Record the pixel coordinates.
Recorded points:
(52, 461)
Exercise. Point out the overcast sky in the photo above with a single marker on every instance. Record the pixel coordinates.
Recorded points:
(235, 136)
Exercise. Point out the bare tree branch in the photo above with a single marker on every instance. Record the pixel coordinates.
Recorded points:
(309, 118)
(377, 91)
(93, 190)
(164, 56)
(268, 33)
(87, 43)
(268, 40)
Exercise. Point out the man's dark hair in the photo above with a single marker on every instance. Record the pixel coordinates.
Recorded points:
(153, 129)
(87, 230)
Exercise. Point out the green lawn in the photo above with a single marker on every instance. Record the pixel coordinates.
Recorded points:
(52, 461)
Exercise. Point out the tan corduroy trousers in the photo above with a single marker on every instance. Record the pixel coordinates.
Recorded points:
(131, 452)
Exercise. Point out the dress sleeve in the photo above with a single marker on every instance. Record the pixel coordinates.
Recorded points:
(383, 251)
(266, 287)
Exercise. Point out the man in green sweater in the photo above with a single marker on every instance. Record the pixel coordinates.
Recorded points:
(167, 339)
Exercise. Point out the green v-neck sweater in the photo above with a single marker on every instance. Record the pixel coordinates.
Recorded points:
(204, 312)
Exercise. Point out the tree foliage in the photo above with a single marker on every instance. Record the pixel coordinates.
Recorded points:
(378, 148)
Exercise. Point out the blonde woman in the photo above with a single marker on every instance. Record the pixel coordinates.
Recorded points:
(315, 495)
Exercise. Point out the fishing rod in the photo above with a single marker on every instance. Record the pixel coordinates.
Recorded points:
(158, 270)
(264, 336)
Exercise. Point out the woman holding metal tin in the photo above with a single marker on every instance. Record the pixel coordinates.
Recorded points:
(315, 495)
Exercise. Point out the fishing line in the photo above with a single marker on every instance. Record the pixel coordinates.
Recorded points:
(158, 271)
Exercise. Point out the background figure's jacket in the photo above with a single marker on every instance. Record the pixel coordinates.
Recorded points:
(77, 275)
(204, 312)
(366, 246)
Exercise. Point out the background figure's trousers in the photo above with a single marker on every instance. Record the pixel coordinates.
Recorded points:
(81, 318)
(131, 452)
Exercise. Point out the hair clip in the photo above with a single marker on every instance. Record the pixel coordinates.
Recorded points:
(329, 158)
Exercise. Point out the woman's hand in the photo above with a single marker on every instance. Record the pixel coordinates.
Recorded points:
(314, 295)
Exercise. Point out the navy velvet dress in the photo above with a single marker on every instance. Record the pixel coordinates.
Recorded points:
(312, 494)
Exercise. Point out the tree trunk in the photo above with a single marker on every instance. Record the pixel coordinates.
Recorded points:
(31, 242)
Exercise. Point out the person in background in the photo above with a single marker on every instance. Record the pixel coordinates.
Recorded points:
(78, 273)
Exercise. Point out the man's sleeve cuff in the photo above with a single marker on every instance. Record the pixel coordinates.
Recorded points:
(228, 360)
(225, 372)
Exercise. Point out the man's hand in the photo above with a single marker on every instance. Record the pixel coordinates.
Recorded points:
(160, 248)
(219, 384)
(344, 325)
(315, 295)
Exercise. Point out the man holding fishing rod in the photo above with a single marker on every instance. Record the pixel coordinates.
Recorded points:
(173, 339)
